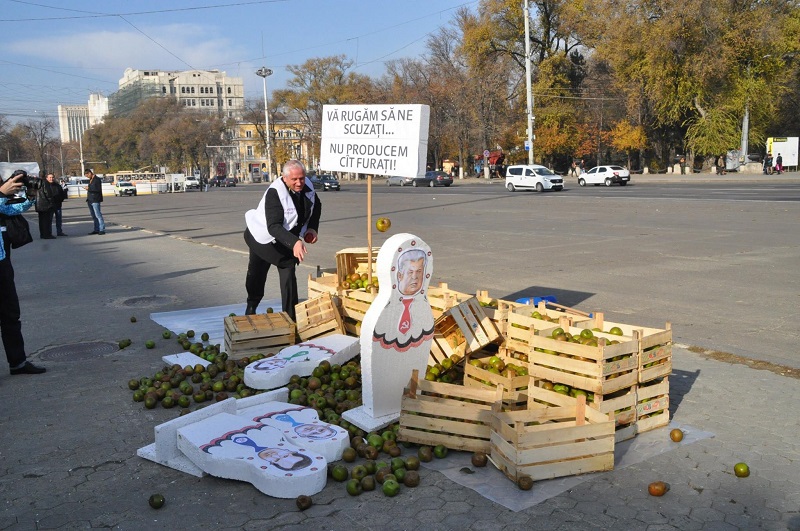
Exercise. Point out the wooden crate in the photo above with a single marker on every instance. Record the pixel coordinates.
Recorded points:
(442, 298)
(603, 369)
(652, 405)
(354, 260)
(520, 327)
(655, 362)
(325, 283)
(246, 335)
(446, 347)
(655, 349)
(496, 310)
(554, 436)
(469, 320)
(318, 317)
(458, 417)
(553, 315)
(622, 405)
(514, 387)
(354, 306)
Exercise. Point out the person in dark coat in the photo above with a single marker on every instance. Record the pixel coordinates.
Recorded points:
(48, 199)
(287, 216)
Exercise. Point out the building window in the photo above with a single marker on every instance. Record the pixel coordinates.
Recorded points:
(248, 134)
(202, 103)
(230, 103)
(229, 90)
(192, 90)
(194, 104)
(249, 150)
(183, 90)
(163, 90)
(211, 103)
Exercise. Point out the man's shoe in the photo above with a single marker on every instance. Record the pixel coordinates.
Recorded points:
(251, 309)
(94, 232)
(62, 234)
(48, 237)
(28, 368)
(101, 232)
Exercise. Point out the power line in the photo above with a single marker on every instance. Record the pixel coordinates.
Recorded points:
(90, 14)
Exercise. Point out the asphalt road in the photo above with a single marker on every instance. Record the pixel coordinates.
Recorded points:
(718, 260)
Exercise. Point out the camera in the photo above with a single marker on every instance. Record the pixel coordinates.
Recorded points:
(29, 182)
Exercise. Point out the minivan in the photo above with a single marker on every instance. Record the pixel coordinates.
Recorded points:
(532, 177)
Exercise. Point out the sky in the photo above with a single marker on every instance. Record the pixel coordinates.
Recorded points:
(56, 52)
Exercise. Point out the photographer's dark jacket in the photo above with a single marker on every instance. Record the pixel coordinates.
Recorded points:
(48, 197)
(10, 209)
(95, 191)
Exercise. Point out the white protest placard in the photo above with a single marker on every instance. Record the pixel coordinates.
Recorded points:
(375, 139)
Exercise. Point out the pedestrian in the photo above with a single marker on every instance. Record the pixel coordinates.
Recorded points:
(573, 169)
(94, 196)
(62, 188)
(779, 164)
(683, 165)
(47, 197)
(721, 165)
(288, 214)
(582, 167)
(768, 164)
(10, 325)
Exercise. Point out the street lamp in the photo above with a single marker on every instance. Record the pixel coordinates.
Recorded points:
(265, 72)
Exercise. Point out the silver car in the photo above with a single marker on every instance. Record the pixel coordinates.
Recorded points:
(399, 181)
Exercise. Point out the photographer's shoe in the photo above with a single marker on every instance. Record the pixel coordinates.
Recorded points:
(101, 232)
(62, 234)
(94, 232)
(48, 237)
(28, 368)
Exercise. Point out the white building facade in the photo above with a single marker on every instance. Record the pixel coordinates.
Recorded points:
(74, 120)
(205, 90)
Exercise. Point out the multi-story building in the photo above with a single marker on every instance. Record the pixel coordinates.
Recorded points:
(206, 90)
(73, 120)
(290, 140)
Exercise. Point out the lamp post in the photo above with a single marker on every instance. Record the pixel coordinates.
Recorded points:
(265, 72)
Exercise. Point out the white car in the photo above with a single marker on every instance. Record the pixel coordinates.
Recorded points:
(191, 182)
(124, 188)
(607, 175)
(532, 177)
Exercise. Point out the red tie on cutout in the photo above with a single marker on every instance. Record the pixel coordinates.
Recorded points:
(405, 318)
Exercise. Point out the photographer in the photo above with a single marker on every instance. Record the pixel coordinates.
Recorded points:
(10, 325)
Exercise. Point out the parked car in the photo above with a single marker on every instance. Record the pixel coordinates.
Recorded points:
(325, 182)
(396, 180)
(218, 180)
(532, 177)
(191, 182)
(433, 178)
(229, 181)
(124, 188)
(607, 175)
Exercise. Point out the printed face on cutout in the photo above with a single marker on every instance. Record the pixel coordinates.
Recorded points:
(410, 273)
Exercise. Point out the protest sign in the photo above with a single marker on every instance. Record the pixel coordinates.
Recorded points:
(375, 139)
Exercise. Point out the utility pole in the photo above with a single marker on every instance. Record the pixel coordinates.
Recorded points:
(264, 73)
(528, 79)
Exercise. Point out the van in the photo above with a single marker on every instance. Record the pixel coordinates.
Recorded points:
(532, 177)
